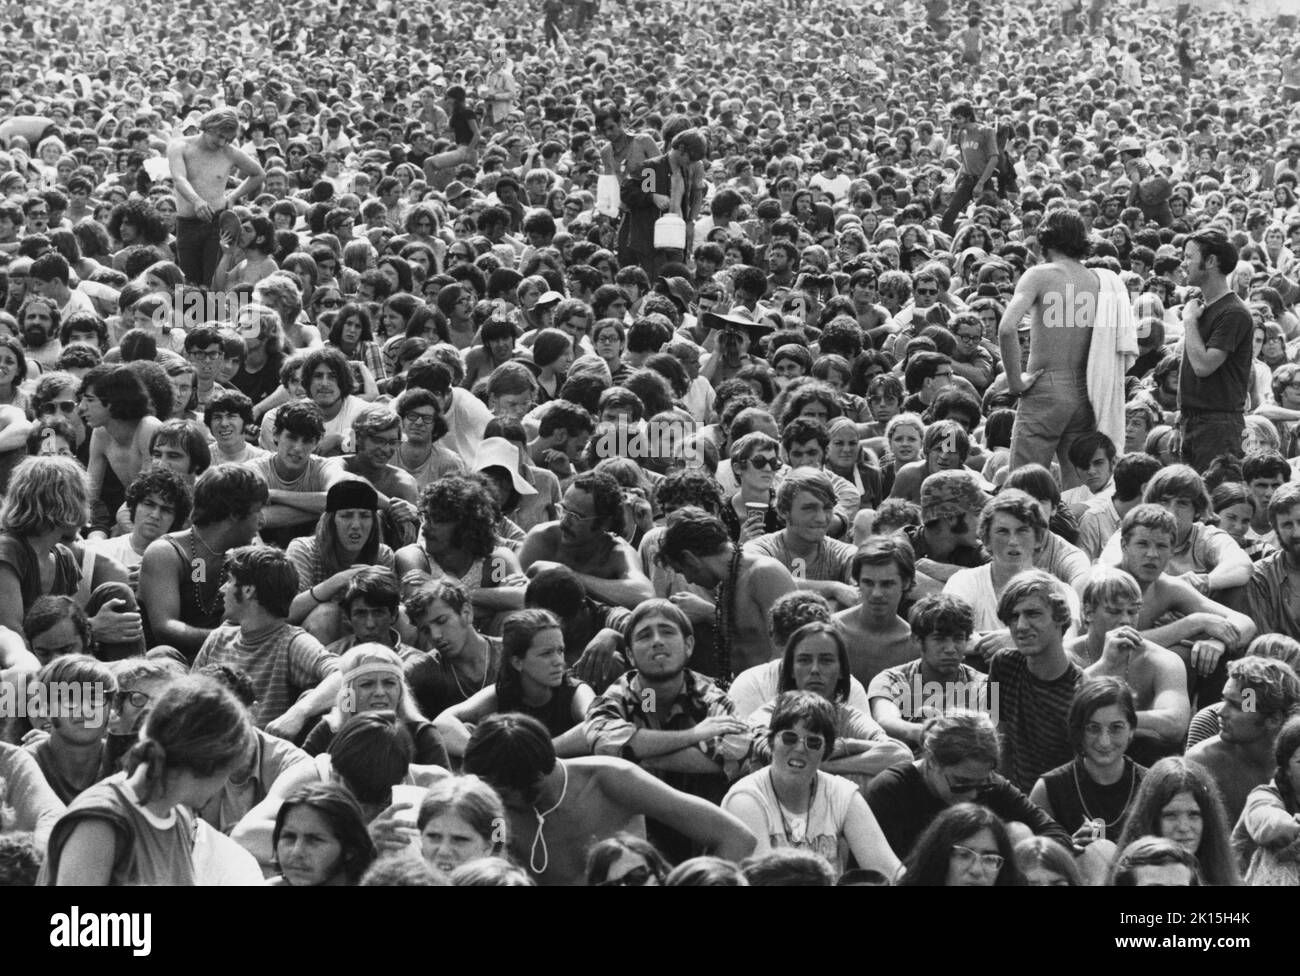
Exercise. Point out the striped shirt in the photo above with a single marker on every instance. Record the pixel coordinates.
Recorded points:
(282, 662)
(1031, 717)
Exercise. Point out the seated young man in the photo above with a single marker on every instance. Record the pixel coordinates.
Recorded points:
(1112, 645)
(586, 800)
(377, 435)
(228, 414)
(936, 682)
(115, 405)
(182, 574)
(1174, 614)
(294, 677)
(1093, 456)
(296, 477)
(1204, 556)
(757, 686)
(158, 502)
(697, 545)
(806, 503)
(583, 539)
(1260, 695)
(878, 637)
(805, 441)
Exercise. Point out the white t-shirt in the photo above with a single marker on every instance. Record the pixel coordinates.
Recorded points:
(755, 687)
(820, 829)
(975, 586)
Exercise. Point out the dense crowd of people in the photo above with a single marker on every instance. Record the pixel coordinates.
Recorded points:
(648, 443)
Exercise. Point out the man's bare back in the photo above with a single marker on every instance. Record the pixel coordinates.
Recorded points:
(1065, 300)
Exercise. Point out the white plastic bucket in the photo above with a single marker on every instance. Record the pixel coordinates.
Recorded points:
(670, 233)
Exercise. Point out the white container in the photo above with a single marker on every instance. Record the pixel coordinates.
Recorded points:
(608, 197)
(670, 233)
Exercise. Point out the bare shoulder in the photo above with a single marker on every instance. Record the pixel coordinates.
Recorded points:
(1208, 752)
(1162, 658)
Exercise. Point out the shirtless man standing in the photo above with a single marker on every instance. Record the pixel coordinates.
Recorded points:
(697, 545)
(201, 167)
(557, 808)
(1062, 297)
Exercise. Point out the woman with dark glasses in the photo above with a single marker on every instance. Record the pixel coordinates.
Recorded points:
(959, 753)
(792, 803)
(625, 861)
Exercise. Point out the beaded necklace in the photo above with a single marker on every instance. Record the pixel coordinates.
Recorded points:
(1132, 788)
(724, 614)
(198, 583)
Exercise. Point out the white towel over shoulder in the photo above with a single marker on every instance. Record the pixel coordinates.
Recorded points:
(1114, 348)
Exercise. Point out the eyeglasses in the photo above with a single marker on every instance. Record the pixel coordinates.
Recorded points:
(331, 303)
(764, 463)
(966, 858)
(969, 338)
(948, 373)
(205, 357)
(927, 291)
(420, 419)
(570, 516)
(965, 785)
(812, 741)
(66, 407)
(138, 699)
(636, 878)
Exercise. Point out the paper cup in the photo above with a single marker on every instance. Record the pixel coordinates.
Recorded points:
(756, 508)
(414, 795)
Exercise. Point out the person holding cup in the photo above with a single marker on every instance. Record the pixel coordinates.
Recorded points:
(755, 460)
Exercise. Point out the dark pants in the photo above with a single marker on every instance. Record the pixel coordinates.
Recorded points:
(1209, 433)
(961, 199)
(198, 249)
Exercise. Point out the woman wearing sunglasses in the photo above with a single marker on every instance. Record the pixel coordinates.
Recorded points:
(625, 861)
(817, 660)
(959, 755)
(751, 511)
(792, 803)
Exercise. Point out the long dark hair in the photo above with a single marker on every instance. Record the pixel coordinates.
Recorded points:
(517, 635)
(1164, 781)
(814, 629)
(1288, 741)
(928, 864)
(340, 810)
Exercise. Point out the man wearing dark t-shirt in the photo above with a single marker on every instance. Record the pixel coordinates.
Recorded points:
(978, 147)
(1217, 353)
(1035, 680)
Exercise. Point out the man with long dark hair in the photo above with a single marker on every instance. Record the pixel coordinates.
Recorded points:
(1062, 298)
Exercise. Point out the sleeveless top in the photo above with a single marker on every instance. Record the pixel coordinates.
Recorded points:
(556, 714)
(191, 612)
(146, 852)
(1111, 803)
(22, 559)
